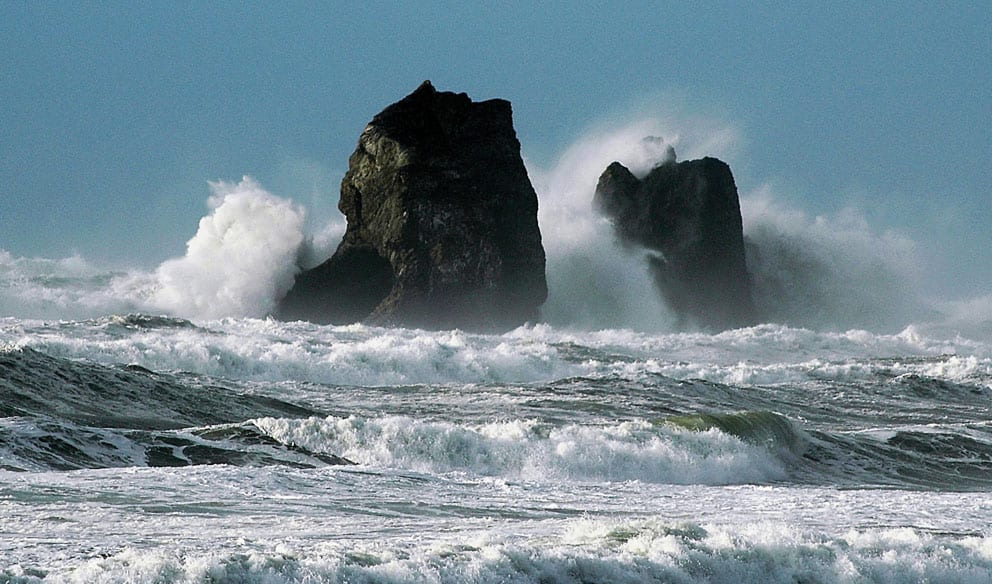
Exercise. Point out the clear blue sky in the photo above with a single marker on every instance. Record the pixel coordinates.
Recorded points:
(114, 115)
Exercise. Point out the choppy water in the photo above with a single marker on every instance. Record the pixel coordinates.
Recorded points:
(152, 449)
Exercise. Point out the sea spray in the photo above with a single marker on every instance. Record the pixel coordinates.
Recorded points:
(971, 318)
(242, 259)
(830, 271)
(314, 185)
(320, 245)
(594, 283)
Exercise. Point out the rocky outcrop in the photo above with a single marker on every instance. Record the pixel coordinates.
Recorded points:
(688, 214)
(442, 223)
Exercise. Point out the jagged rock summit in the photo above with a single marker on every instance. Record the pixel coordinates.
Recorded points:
(689, 214)
(442, 223)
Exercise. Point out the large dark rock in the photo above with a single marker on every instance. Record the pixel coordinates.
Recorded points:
(689, 214)
(442, 223)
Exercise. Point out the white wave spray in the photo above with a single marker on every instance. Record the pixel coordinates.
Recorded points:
(242, 259)
(971, 318)
(830, 271)
(67, 288)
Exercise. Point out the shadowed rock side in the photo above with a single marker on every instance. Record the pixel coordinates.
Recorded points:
(442, 223)
(689, 213)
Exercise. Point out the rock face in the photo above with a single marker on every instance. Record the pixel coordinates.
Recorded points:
(442, 223)
(689, 214)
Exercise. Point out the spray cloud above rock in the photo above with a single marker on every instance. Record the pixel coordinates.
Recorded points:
(827, 271)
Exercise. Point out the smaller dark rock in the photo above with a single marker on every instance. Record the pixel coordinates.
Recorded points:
(689, 213)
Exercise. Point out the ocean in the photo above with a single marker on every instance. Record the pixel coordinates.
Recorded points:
(157, 427)
(145, 448)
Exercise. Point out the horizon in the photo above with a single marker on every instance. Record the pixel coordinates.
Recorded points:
(119, 116)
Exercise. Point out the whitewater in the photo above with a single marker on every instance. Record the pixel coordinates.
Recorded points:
(157, 426)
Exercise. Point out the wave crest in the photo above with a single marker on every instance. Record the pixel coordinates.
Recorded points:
(529, 450)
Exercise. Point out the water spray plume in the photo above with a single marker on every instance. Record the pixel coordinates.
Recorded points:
(242, 259)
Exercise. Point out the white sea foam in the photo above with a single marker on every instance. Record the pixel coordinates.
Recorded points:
(268, 350)
(588, 551)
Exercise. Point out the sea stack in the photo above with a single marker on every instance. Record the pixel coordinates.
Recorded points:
(688, 214)
(442, 223)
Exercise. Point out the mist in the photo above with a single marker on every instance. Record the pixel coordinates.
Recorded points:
(592, 282)
(830, 271)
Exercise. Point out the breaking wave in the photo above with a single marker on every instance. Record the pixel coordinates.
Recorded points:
(530, 450)
(267, 350)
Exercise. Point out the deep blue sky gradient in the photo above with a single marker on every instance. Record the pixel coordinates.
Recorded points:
(114, 115)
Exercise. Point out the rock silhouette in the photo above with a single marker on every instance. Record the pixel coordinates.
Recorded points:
(442, 223)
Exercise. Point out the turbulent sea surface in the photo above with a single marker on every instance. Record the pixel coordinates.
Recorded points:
(139, 448)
